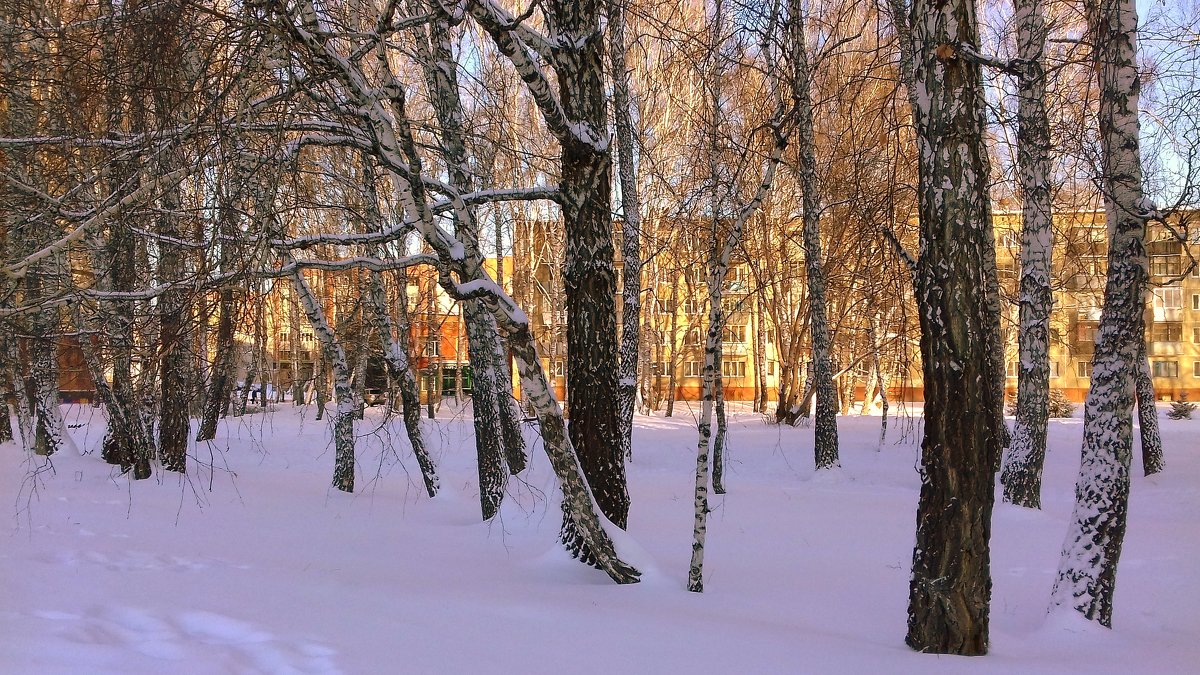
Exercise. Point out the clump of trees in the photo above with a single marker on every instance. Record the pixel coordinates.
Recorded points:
(809, 186)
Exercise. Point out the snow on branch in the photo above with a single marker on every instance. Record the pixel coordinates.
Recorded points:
(499, 24)
(17, 269)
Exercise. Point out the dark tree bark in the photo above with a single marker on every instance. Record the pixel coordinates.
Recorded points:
(949, 594)
(825, 441)
(588, 273)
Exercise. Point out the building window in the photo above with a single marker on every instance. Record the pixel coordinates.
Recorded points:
(1166, 332)
(1011, 240)
(1166, 368)
(1196, 301)
(306, 337)
(771, 365)
(735, 334)
(1164, 266)
(733, 368)
(1010, 369)
(1196, 369)
(1054, 369)
(433, 346)
(694, 369)
(1085, 369)
(1169, 297)
(693, 338)
(1086, 332)
(559, 369)
(1196, 335)
(737, 279)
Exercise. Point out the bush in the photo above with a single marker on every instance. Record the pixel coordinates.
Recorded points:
(1058, 405)
(1181, 409)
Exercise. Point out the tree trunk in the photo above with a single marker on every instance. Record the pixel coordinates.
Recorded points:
(1022, 474)
(631, 255)
(1088, 568)
(174, 357)
(825, 432)
(950, 590)
(588, 273)
(343, 419)
(1152, 450)
(395, 355)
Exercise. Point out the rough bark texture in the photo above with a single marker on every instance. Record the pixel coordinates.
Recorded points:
(400, 368)
(950, 589)
(174, 358)
(394, 145)
(343, 419)
(1088, 568)
(1022, 474)
(441, 77)
(631, 250)
(825, 441)
(1152, 450)
(588, 273)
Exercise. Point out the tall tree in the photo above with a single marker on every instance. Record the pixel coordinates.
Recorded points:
(825, 445)
(1087, 570)
(950, 589)
(1022, 474)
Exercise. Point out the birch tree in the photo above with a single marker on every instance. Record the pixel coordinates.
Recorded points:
(949, 592)
(1022, 474)
(1087, 570)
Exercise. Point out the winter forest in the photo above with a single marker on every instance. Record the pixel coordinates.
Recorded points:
(374, 336)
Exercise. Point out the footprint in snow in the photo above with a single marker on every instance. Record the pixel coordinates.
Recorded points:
(202, 639)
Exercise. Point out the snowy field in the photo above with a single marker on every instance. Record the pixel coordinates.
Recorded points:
(253, 564)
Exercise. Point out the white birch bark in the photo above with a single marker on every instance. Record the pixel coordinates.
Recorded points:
(1022, 473)
(631, 233)
(394, 147)
(1087, 570)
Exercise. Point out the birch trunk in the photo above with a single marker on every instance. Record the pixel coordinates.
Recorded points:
(1022, 474)
(825, 432)
(395, 355)
(949, 593)
(492, 414)
(1088, 567)
(631, 233)
(343, 419)
(1152, 450)
(174, 357)
(394, 144)
(588, 272)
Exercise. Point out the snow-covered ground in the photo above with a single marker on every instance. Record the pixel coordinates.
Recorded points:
(252, 564)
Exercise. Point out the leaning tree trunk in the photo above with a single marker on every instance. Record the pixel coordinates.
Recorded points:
(442, 78)
(395, 355)
(1152, 450)
(1088, 567)
(1022, 474)
(394, 142)
(949, 594)
(343, 419)
(825, 432)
